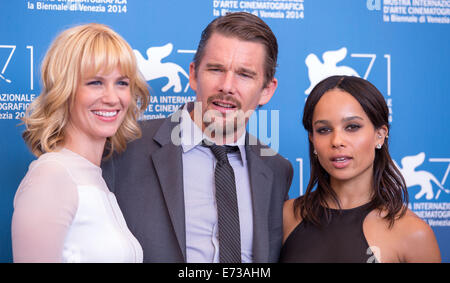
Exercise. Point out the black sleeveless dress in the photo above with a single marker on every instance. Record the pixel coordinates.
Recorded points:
(341, 239)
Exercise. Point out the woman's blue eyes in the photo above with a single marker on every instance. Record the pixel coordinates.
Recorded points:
(123, 83)
(95, 83)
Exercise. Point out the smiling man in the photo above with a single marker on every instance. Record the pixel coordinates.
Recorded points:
(194, 188)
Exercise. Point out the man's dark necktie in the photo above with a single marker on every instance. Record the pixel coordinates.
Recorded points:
(227, 206)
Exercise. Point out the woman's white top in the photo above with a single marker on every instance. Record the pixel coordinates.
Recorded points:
(64, 212)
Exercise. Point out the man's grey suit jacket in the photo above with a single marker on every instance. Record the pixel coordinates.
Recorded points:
(147, 180)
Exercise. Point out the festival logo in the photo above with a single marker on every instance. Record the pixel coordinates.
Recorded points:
(153, 68)
(414, 12)
(14, 97)
(318, 70)
(430, 203)
(424, 179)
(5, 79)
(5, 65)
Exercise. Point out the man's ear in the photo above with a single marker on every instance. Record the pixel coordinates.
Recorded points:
(268, 91)
(192, 77)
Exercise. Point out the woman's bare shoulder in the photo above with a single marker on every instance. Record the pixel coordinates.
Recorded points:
(409, 239)
(290, 218)
(418, 242)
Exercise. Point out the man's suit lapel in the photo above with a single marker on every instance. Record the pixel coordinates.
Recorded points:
(169, 168)
(261, 178)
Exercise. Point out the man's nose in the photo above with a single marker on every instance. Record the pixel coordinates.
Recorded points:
(227, 85)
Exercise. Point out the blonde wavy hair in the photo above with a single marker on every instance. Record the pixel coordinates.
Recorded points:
(76, 53)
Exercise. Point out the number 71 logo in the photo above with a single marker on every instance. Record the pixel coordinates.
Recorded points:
(13, 49)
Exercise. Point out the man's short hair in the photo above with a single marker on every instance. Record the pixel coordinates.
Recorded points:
(247, 27)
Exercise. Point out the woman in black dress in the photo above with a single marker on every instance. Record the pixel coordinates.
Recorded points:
(355, 206)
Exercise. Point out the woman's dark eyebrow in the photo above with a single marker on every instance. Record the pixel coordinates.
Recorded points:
(346, 119)
(322, 121)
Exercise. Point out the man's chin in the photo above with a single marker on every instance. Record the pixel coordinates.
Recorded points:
(222, 129)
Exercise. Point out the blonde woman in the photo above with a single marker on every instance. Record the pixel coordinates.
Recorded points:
(91, 96)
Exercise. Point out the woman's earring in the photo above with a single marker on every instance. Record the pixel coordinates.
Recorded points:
(378, 146)
(315, 152)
